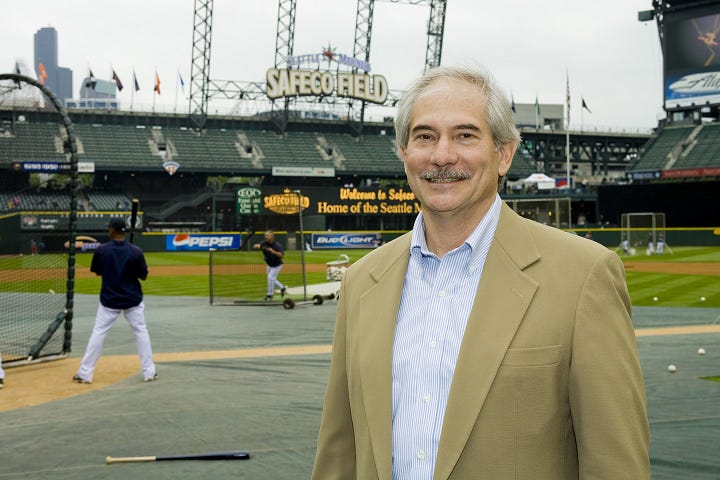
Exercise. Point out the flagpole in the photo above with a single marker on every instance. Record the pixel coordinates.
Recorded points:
(567, 155)
(582, 115)
(177, 84)
(567, 132)
(155, 90)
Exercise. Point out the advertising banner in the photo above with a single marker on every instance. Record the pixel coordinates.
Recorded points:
(60, 221)
(248, 200)
(345, 240)
(340, 201)
(692, 58)
(201, 242)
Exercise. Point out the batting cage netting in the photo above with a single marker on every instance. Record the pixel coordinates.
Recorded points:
(228, 273)
(38, 220)
(32, 295)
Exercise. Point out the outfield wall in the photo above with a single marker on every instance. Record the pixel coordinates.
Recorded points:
(610, 237)
(14, 239)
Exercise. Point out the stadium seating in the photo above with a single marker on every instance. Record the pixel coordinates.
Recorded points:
(116, 147)
(123, 147)
(370, 153)
(108, 202)
(522, 165)
(655, 156)
(31, 142)
(703, 151)
(45, 200)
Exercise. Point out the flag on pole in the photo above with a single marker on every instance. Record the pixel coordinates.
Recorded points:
(182, 82)
(537, 106)
(137, 85)
(567, 77)
(512, 103)
(42, 73)
(91, 82)
(156, 88)
(584, 105)
(17, 71)
(117, 81)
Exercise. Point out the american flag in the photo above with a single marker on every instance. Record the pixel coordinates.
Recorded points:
(567, 77)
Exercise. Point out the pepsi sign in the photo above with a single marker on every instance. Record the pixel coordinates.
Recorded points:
(200, 242)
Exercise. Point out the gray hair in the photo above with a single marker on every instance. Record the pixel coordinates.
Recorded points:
(499, 111)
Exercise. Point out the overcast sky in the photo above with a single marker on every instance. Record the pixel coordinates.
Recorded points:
(613, 60)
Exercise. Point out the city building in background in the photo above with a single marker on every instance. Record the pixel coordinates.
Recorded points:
(59, 79)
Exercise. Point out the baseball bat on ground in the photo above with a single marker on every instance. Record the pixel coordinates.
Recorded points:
(133, 218)
(235, 455)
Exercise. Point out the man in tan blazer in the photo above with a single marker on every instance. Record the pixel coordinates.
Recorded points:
(481, 345)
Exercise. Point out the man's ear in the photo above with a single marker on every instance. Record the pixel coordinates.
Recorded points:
(506, 152)
(403, 156)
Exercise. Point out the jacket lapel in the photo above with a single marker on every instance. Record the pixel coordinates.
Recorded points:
(503, 296)
(378, 309)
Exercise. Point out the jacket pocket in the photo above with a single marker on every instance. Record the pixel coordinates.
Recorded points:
(528, 357)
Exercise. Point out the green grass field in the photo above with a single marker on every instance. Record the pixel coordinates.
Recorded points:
(250, 286)
(671, 289)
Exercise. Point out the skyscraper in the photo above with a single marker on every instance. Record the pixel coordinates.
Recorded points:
(59, 79)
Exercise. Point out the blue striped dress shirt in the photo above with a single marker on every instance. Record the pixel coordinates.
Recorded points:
(434, 309)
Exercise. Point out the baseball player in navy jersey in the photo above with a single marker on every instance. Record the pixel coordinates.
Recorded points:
(273, 253)
(121, 266)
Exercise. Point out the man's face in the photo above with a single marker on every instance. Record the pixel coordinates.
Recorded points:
(269, 237)
(450, 161)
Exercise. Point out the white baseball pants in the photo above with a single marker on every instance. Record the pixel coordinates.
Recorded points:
(272, 274)
(103, 322)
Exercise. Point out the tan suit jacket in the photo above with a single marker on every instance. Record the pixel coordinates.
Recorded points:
(547, 383)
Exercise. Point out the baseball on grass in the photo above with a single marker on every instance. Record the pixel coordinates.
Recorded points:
(701, 351)
(655, 299)
(702, 299)
(51, 291)
(671, 368)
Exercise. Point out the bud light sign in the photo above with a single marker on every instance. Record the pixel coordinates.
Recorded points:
(196, 242)
(344, 240)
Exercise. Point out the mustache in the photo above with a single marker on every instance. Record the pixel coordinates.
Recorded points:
(444, 174)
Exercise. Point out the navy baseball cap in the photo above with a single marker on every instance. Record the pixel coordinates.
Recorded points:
(117, 224)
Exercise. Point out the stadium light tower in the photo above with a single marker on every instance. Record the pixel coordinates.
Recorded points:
(435, 31)
(200, 66)
(284, 46)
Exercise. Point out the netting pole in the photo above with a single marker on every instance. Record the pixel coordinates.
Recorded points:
(302, 243)
(71, 151)
(210, 275)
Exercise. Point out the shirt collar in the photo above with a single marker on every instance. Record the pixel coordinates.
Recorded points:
(478, 240)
